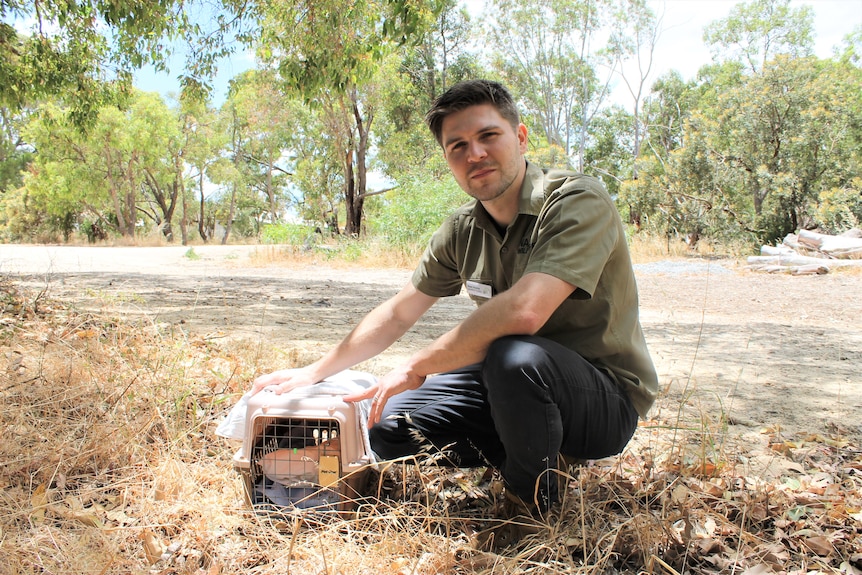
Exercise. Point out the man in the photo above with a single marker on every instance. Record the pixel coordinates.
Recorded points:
(553, 361)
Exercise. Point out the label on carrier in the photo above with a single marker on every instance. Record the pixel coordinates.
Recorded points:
(328, 470)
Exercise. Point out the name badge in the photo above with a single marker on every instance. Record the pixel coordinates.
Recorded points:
(477, 289)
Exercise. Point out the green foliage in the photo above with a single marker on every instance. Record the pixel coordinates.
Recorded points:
(125, 170)
(12, 165)
(407, 216)
(765, 140)
(768, 141)
(85, 52)
(266, 123)
(666, 110)
(332, 45)
(610, 157)
(291, 234)
(756, 32)
(542, 59)
(839, 209)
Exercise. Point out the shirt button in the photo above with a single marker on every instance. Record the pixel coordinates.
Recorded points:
(504, 250)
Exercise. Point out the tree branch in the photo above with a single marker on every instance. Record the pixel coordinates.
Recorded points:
(376, 193)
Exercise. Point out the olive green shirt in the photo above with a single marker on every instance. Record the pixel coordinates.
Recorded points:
(568, 227)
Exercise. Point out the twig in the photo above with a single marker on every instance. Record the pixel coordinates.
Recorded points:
(653, 559)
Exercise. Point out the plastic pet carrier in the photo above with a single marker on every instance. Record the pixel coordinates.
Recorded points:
(303, 450)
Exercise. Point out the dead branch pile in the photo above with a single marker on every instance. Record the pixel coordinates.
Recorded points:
(810, 253)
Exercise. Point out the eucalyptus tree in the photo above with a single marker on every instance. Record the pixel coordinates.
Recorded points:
(790, 132)
(48, 201)
(317, 180)
(415, 75)
(610, 154)
(158, 136)
(782, 118)
(669, 104)
(270, 118)
(230, 173)
(546, 52)
(84, 52)
(634, 36)
(328, 52)
(87, 179)
(204, 141)
(14, 152)
(122, 173)
(756, 32)
(441, 52)
(850, 50)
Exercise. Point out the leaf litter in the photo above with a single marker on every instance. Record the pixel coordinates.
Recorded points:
(110, 465)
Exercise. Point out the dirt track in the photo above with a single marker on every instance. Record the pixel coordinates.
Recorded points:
(763, 350)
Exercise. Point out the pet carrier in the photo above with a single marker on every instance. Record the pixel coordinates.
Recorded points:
(306, 449)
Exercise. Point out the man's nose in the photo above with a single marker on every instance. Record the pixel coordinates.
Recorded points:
(476, 152)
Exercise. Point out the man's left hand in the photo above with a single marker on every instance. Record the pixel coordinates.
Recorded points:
(393, 383)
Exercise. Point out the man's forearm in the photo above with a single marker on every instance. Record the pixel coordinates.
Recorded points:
(522, 310)
(375, 332)
(371, 336)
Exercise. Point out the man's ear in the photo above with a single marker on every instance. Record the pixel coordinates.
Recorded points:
(522, 138)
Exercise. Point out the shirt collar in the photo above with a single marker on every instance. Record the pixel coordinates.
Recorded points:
(532, 191)
(532, 195)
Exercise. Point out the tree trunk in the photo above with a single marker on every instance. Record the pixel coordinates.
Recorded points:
(356, 201)
(202, 230)
(270, 191)
(350, 226)
(184, 219)
(231, 211)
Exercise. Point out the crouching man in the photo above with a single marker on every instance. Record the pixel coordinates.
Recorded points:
(553, 361)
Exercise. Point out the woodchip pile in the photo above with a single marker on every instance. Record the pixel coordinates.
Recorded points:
(808, 253)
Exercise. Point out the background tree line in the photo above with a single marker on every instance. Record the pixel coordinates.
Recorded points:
(765, 140)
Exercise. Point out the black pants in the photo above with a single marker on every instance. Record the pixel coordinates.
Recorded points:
(528, 402)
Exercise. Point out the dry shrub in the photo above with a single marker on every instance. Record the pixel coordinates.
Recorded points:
(110, 465)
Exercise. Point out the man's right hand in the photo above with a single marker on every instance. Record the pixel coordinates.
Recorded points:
(284, 380)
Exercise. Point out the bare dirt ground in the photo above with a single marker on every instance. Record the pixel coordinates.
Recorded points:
(746, 349)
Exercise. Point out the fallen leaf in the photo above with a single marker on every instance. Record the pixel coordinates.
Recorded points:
(679, 494)
(709, 546)
(119, 517)
(39, 501)
(400, 566)
(88, 519)
(153, 547)
(783, 447)
(758, 570)
(819, 545)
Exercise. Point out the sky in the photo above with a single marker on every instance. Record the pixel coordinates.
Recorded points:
(680, 45)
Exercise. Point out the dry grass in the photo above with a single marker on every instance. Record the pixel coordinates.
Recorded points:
(646, 248)
(339, 253)
(110, 465)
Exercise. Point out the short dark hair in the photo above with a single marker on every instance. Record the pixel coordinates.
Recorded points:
(471, 93)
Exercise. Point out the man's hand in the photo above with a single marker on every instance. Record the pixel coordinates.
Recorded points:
(284, 380)
(393, 383)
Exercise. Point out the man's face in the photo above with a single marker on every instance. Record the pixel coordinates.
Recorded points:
(484, 151)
